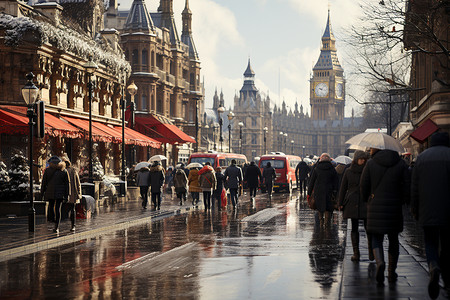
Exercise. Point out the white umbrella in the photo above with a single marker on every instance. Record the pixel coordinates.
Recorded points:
(141, 165)
(194, 165)
(157, 158)
(343, 159)
(377, 140)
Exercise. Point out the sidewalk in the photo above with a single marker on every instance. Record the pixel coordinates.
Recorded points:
(18, 241)
(358, 279)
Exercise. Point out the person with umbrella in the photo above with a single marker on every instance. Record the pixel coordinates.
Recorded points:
(351, 203)
(323, 187)
(253, 177)
(430, 204)
(385, 185)
(143, 182)
(157, 177)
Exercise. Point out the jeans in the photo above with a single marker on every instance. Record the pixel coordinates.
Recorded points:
(302, 185)
(144, 195)
(435, 235)
(217, 196)
(233, 196)
(54, 209)
(156, 199)
(377, 242)
(207, 199)
(252, 191)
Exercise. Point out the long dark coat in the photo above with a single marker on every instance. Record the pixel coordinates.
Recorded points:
(323, 185)
(233, 176)
(55, 182)
(302, 171)
(430, 188)
(156, 178)
(349, 194)
(386, 177)
(252, 176)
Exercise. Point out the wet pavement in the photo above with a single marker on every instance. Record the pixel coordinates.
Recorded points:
(263, 250)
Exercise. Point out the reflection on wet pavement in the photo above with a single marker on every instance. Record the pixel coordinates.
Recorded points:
(262, 250)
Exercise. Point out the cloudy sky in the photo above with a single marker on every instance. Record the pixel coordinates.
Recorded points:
(281, 37)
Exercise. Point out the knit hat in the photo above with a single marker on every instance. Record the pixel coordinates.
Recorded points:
(439, 139)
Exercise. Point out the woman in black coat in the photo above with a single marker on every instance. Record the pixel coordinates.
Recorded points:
(385, 184)
(323, 187)
(351, 203)
(252, 176)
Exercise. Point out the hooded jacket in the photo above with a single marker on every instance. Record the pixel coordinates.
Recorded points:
(323, 185)
(193, 181)
(156, 178)
(386, 177)
(55, 182)
(180, 180)
(253, 175)
(143, 177)
(207, 178)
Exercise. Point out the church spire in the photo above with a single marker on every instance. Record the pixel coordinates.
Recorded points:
(186, 34)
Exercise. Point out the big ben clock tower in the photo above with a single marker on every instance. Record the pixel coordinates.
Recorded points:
(327, 94)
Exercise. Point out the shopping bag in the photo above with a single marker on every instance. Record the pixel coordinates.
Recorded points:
(223, 198)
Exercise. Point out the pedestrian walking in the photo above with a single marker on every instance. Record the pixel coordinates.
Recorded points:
(217, 194)
(233, 178)
(156, 183)
(55, 188)
(351, 203)
(323, 186)
(143, 182)
(268, 177)
(207, 181)
(253, 177)
(430, 204)
(75, 191)
(385, 185)
(194, 187)
(180, 182)
(301, 175)
(169, 180)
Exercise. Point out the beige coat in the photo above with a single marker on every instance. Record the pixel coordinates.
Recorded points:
(193, 181)
(75, 186)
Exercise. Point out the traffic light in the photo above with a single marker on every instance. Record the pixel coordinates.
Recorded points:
(39, 125)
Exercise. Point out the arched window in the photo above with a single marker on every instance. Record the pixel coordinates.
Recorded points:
(144, 57)
(135, 58)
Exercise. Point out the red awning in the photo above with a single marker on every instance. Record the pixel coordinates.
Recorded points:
(13, 120)
(136, 138)
(98, 135)
(424, 131)
(165, 133)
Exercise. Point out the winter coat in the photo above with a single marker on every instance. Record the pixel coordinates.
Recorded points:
(430, 189)
(269, 175)
(180, 181)
(75, 185)
(301, 171)
(233, 176)
(386, 177)
(143, 177)
(349, 194)
(207, 178)
(55, 182)
(323, 185)
(219, 182)
(193, 181)
(156, 178)
(253, 176)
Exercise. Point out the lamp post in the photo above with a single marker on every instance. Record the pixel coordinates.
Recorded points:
(196, 125)
(132, 90)
(281, 141)
(207, 136)
(285, 142)
(292, 147)
(240, 136)
(303, 151)
(214, 135)
(220, 110)
(30, 93)
(90, 67)
(230, 117)
(265, 129)
(122, 107)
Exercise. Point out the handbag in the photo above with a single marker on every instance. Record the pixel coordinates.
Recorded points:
(311, 201)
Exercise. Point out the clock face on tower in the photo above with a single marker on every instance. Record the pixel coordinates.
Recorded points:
(339, 90)
(321, 89)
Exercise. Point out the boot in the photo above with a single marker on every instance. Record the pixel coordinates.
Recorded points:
(393, 259)
(355, 244)
(381, 265)
(369, 245)
(433, 285)
(320, 219)
(327, 218)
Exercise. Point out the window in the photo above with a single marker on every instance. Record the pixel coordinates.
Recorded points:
(144, 102)
(144, 57)
(276, 164)
(253, 121)
(135, 57)
(254, 138)
(203, 160)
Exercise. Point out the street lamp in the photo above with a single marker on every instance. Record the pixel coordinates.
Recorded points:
(30, 93)
(292, 147)
(207, 136)
(303, 151)
(281, 141)
(215, 125)
(230, 117)
(265, 129)
(132, 90)
(285, 142)
(240, 136)
(122, 107)
(90, 67)
(220, 110)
